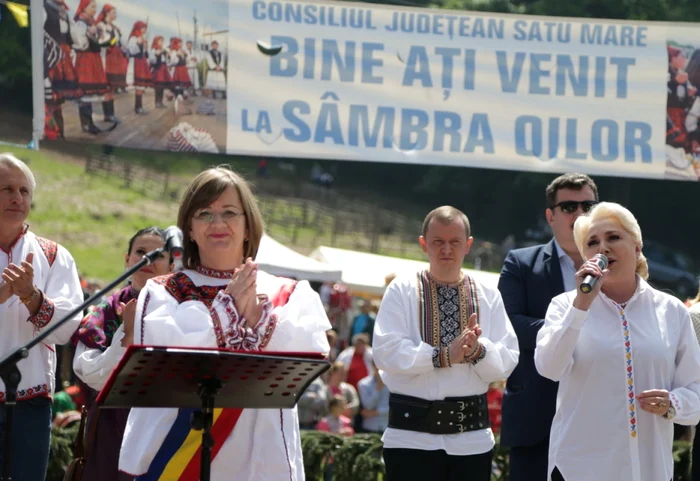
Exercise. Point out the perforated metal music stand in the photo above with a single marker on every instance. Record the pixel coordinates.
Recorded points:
(173, 377)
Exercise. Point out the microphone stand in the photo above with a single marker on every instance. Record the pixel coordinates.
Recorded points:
(8, 367)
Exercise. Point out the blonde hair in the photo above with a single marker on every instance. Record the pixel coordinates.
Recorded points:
(607, 210)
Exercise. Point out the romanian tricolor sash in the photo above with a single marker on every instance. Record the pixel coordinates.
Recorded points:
(179, 457)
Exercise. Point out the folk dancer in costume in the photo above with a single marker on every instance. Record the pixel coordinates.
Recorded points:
(101, 340)
(92, 79)
(139, 68)
(222, 300)
(530, 278)
(193, 59)
(116, 61)
(440, 338)
(626, 359)
(160, 74)
(216, 78)
(181, 82)
(39, 287)
(61, 81)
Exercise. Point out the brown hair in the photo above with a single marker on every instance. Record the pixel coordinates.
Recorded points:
(336, 401)
(571, 182)
(446, 214)
(205, 189)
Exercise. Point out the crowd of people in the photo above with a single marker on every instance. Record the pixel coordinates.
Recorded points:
(594, 378)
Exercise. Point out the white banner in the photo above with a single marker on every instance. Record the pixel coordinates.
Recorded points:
(389, 84)
(337, 80)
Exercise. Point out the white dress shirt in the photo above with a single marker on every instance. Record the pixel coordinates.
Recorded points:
(603, 358)
(568, 269)
(406, 363)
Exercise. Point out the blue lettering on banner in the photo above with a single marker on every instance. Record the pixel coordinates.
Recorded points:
(605, 139)
(537, 31)
(539, 79)
(614, 35)
(325, 15)
(386, 127)
(337, 59)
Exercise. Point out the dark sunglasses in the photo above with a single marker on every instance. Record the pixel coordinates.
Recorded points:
(571, 206)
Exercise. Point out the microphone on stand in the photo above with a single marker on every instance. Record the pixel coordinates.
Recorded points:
(173, 244)
(589, 281)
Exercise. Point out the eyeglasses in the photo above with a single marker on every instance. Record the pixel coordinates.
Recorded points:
(571, 206)
(207, 217)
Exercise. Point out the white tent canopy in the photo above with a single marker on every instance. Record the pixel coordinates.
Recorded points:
(366, 273)
(279, 260)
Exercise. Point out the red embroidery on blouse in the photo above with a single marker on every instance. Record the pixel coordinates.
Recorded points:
(49, 247)
(44, 314)
(40, 390)
(218, 330)
(181, 287)
(209, 272)
(143, 315)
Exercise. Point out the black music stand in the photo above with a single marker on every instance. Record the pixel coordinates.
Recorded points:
(171, 377)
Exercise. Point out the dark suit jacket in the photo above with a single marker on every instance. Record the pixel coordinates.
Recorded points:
(530, 278)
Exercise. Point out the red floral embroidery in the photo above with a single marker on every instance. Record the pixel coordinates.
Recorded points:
(241, 337)
(29, 393)
(206, 271)
(50, 249)
(218, 330)
(44, 315)
(181, 287)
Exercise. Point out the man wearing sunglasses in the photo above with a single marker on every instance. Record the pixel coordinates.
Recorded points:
(530, 278)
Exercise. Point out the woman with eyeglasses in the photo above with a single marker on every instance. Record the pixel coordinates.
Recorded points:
(101, 340)
(221, 300)
(626, 359)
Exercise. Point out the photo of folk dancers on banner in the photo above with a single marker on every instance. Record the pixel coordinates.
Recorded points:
(683, 109)
(114, 76)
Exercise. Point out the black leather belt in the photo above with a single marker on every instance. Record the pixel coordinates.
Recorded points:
(449, 416)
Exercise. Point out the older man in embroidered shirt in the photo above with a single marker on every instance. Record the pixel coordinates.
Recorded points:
(440, 338)
(39, 287)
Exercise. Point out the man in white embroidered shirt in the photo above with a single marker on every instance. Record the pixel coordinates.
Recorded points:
(39, 286)
(440, 338)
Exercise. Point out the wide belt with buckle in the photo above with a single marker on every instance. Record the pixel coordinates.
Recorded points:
(449, 416)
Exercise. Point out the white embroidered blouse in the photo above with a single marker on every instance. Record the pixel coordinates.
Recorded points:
(56, 276)
(602, 359)
(191, 309)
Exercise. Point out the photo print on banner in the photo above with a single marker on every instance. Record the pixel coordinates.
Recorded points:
(147, 74)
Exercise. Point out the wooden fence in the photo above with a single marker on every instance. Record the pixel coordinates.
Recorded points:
(304, 215)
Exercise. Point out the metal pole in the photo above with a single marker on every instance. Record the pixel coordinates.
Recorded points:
(36, 24)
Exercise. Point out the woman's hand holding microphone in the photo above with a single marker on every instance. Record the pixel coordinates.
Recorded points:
(598, 269)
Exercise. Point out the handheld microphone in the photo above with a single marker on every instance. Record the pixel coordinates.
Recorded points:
(173, 244)
(589, 281)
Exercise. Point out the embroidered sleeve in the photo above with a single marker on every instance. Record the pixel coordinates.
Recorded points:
(441, 357)
(62, 294)
(238, 334)
(44, 314)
